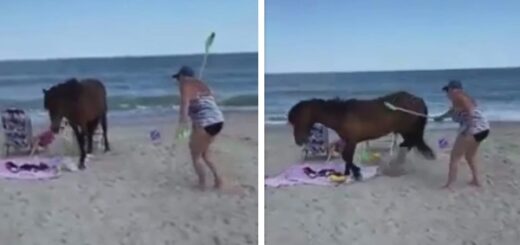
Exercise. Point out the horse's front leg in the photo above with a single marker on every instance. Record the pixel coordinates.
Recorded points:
(348, 155)
(80, 137)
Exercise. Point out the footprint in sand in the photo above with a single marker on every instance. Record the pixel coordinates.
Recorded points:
(216, 240)
(233, 190)
(247, 138)
(393, 171)
(249, 239)
(249, 188)
(166, 161)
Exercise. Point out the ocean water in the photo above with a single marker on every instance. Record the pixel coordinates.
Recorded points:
(135, 85)
(497, 91)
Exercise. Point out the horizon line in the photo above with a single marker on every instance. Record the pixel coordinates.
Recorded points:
(394, 70)
(120, 56)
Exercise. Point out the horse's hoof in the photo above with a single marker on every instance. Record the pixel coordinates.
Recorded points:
(81, 167)
(358, 177)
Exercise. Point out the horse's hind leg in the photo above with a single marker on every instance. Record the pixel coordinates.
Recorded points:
(91, 129)
(393, 146)
(395, 166)
(348, 156)
(408, 141)
(104, 127)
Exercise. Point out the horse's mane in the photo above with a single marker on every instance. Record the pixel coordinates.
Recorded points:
(69, 89)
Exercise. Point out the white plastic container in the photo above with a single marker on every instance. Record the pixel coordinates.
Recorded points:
(155, 137)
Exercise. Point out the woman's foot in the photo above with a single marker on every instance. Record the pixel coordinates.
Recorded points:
(219, 184)
(201, 185)
(225, 187)
(475, 183)
(447, 186)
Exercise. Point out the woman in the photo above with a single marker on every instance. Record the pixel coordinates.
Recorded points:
(198, 103)
(474, 128)
(42, 141)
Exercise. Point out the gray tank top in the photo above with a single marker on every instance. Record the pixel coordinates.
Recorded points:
(473, 124)
(204, 111)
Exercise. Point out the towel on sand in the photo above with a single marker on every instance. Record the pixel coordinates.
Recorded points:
(294, 175)
(50, 173)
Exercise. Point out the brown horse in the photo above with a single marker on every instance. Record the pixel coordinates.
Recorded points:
(84, 105)
(360, 120)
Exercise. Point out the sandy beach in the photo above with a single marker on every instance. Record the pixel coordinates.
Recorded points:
(410, 209)
(140, 194)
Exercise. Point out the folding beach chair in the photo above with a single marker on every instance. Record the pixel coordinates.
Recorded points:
(17, 130)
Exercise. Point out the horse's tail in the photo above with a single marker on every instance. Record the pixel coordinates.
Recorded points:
(421, 145)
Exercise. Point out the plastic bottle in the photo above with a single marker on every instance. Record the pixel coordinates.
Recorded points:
(183, 134)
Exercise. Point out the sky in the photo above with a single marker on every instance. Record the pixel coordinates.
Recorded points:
(35, 29)
(369, 35)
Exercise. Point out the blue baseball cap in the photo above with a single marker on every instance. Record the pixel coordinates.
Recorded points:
(184, 71)
(453, 84)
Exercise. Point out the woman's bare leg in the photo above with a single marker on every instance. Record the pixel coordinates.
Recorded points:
(219, 180)
(196, 149)
(205, 142)
(34, 145)
(459, 148)
(221, 183)
(471, 155)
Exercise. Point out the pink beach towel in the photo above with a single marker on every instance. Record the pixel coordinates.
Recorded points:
(29, 175)
(294, 175)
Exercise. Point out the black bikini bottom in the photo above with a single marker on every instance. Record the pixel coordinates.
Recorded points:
(479, 137)
(214, 129)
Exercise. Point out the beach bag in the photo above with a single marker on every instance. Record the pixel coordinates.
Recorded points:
(318, 142)
(17, 130)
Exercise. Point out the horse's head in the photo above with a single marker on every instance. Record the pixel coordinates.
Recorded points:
(301, 117)
(57, 100)
(55, 108)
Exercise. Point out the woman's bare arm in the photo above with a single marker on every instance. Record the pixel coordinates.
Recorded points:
(444, 115)
(185, 101)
